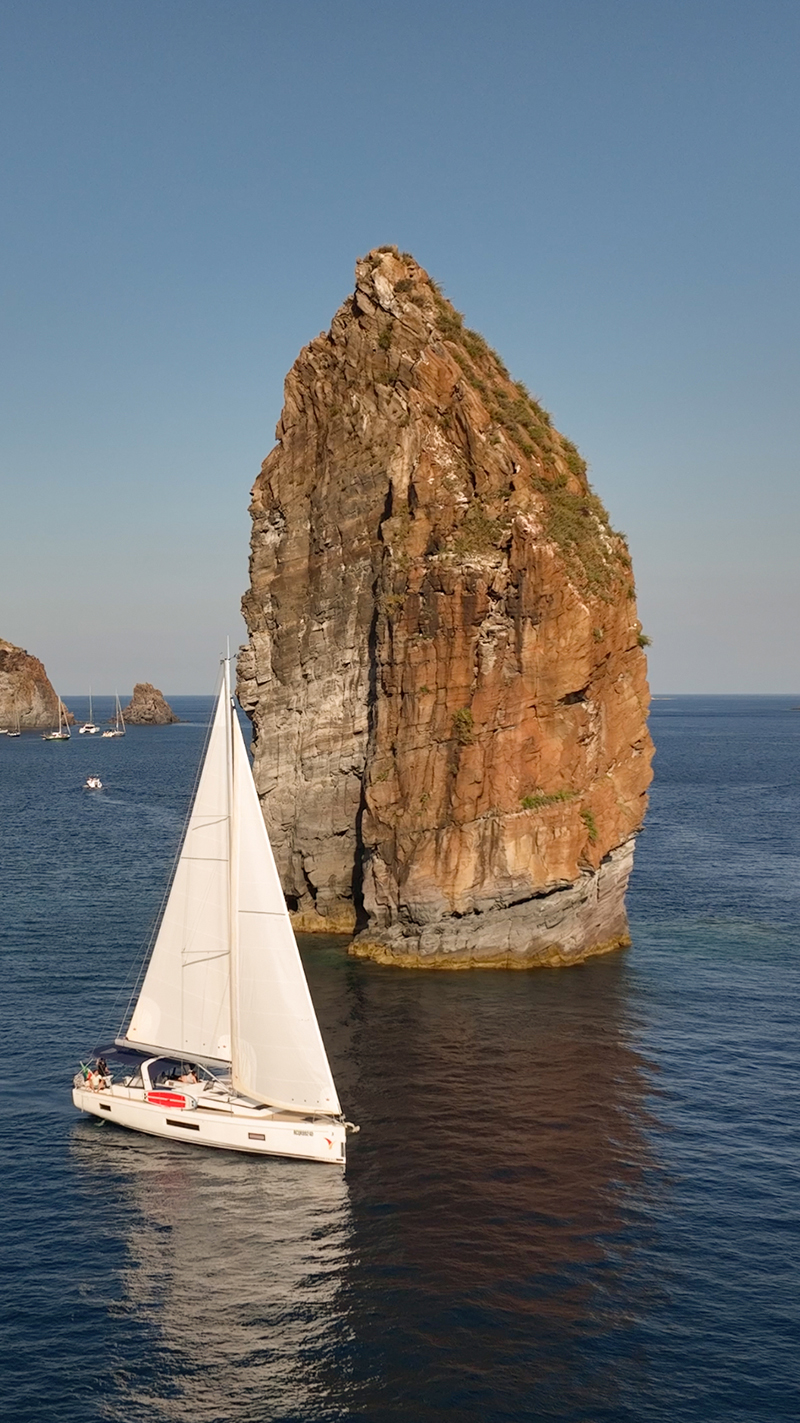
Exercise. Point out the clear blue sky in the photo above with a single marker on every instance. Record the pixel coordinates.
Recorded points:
(607, 189)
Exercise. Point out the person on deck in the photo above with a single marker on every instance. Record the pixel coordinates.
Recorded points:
(98, 1077)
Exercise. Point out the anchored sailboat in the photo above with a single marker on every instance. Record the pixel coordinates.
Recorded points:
(62, 734)
(119, 722)
(223, 1047)
(16, 730)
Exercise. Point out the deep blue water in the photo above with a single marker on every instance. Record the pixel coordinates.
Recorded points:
(574, 1195)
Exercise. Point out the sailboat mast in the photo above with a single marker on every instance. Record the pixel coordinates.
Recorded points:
(233, 867)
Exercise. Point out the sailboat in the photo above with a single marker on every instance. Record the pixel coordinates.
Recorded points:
(222, 1047)
(6, 730)
(119, 722)
(62, 734)
(88, 727)
(16, 730)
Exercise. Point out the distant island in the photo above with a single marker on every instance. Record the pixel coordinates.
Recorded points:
(148, 707)
(28, 701)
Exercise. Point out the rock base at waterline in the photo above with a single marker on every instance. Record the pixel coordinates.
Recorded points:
(548, 931)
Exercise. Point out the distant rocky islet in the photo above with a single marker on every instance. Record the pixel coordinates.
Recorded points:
(148, 707)
(27, 697)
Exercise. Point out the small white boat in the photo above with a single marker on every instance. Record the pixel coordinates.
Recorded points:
(88, 728)
(119, 723)
(93, 783)
(62, 734)
(222, 1047)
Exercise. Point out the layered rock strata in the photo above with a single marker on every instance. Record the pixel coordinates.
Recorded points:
(26, 694)
(445, 668)
(148, 707)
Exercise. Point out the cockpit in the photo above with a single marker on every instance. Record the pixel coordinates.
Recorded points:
(124, 1067)
(174, 1073)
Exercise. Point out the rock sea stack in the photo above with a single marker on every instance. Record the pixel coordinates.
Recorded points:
(26, 691)
(445, 669)
(148, 707)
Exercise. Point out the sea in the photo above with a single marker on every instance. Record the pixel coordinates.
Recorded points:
(574, 1195)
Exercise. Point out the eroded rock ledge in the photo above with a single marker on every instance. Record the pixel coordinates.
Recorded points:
(445, 669)
(546, 931)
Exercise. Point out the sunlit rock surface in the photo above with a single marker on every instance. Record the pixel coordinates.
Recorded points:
(445, 669)
(148, 707)
(25, 691)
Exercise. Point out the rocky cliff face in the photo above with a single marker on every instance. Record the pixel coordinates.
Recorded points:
(148, 707)
(445, 670)
(25, 691)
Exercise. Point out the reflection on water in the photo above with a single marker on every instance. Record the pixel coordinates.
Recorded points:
(515, 1239)
(483, 1250)
(499, 1195)
(233, 1272)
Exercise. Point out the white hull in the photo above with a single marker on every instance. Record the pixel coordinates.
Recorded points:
(232, 1127)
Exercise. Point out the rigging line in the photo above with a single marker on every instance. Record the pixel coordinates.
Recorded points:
(267, 913)
(233, 869)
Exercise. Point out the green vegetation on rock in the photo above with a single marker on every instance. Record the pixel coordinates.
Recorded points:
(543, 798)
(462, 726)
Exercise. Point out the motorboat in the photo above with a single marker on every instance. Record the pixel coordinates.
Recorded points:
(89, 728)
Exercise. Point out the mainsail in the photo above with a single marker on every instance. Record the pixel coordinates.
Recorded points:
(278, 1053)
(225, 981)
